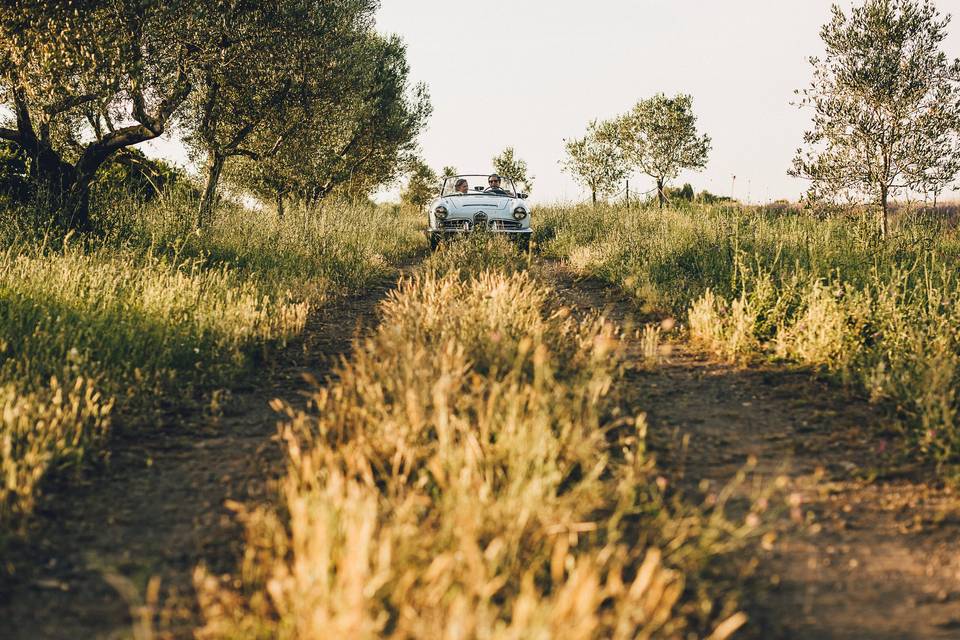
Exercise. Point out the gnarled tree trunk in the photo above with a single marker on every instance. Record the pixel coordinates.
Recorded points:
(66, 188)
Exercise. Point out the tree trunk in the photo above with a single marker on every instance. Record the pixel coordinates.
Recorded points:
(76, 209)
(279, 204)
(215, 163)
(64, 189)
(884, 192)
(660, 196)
(593, 194)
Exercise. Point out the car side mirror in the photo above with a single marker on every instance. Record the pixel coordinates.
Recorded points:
(522, 196)
(478, 188)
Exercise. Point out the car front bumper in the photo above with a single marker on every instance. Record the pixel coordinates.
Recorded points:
(455, 227)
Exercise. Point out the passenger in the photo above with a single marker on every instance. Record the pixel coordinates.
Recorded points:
(461, 185)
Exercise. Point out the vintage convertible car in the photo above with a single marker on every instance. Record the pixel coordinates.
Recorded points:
(471, 203)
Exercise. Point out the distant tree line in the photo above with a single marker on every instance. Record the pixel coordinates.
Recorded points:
(292, 98)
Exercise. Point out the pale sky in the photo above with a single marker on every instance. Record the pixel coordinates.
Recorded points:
(530, 73)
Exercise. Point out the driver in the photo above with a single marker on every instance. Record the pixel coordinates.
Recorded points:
(494, 184)
(461, 185)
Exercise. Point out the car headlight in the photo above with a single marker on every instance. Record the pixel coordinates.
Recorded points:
(441, 212)
(519, 213)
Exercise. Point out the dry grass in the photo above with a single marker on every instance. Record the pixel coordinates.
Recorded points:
(884, 316)
(158, 311)
(465, 476)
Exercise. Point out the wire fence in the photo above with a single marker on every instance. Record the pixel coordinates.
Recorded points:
(638, 195)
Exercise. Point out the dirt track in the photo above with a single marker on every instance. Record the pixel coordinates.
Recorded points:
(873, 560)
(870, 560)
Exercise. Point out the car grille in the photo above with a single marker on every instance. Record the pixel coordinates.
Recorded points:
(480, 223)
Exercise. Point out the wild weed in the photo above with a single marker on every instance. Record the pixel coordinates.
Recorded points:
(462, 477)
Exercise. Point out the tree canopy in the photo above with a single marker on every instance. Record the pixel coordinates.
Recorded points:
(421, 184)
(304, 92)
(886, 105)
(351, 143)
(597, 159)
(659, 138)
(85, 79)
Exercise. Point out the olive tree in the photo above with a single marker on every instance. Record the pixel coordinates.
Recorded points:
(508, 164)
(375, 134)
(83, 80)
(659, 137)
(886, 105)
(272, 70)
(596, 160)
(348, 146)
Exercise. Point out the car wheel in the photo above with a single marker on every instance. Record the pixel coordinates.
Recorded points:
(524, 243)
(434, 241)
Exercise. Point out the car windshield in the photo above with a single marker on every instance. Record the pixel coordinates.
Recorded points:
(477, 185)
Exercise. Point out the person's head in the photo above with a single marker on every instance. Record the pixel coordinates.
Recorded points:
(461, 185)
(494, 181)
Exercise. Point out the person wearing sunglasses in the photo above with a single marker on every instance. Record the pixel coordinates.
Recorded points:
(493, 183)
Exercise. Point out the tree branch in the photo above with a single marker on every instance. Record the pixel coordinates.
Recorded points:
(166, 108)
(253, 155)
(126, 136)
(68, 103)
(24, 123)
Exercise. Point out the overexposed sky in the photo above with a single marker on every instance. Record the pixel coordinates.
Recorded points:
(530, 73)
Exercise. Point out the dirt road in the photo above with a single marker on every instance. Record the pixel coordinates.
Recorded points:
(858, 558)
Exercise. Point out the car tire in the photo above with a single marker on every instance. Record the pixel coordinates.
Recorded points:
(434, 241)
(523, 243)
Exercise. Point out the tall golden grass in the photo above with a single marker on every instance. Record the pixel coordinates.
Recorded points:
(157, 310)
(465, 475)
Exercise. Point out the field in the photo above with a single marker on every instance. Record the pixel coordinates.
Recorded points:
(475, 442)
(272, 366)
(751, 284)
(158, 314)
